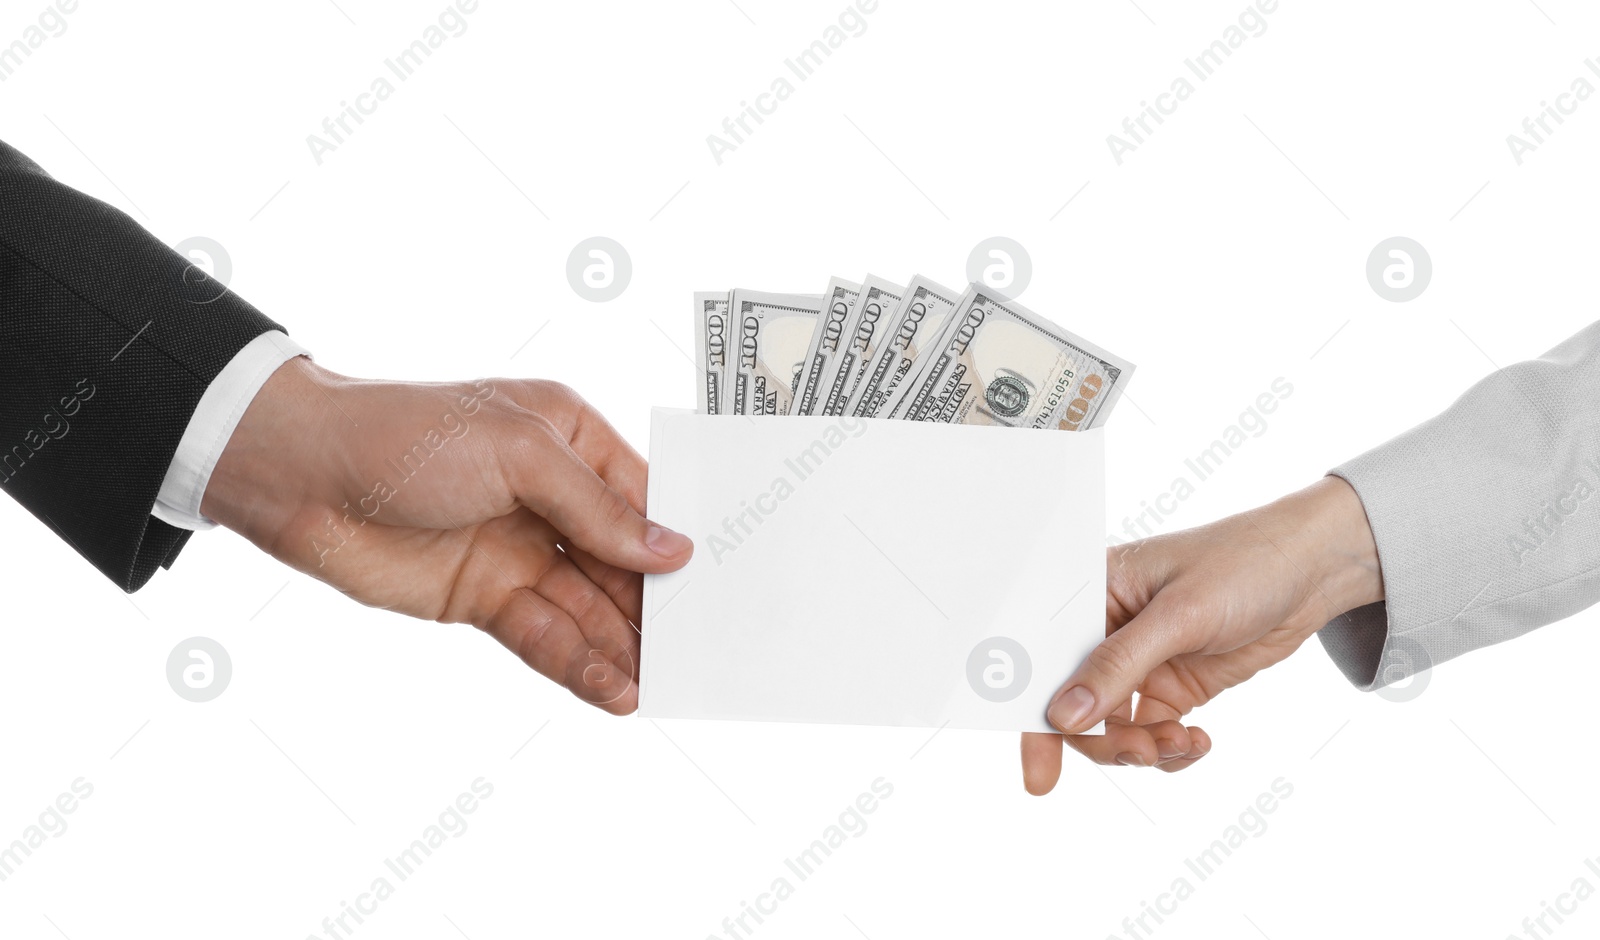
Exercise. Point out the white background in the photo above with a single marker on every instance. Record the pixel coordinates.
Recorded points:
(1227, 251)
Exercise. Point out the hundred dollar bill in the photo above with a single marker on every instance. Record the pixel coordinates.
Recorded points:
(910, 329)
(999, 363)
(864, 332)
(817, 370)
(712, 335)
(772, 333)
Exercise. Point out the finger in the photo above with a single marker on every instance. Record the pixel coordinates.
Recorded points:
(602, 624)
(622, 468)
(1200, 747)
(591, 436)
(1123, 743)
(1164, 722)
(1115, 668)
(624, 587)
(547, 639)
(1171, 740)
(1094, 746)
(611, 456)
(1146, 736)
(1153, 708)
(562, 488)
(1041, 762)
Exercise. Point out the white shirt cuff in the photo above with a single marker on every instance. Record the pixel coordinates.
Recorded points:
(220, 409)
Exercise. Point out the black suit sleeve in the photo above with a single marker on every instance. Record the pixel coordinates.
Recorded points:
(108, 338)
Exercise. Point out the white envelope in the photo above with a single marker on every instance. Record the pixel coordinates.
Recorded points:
(867, 571)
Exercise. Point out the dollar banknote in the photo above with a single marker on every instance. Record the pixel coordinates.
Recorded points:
(863, 334)
(998, 363)
(713, 334)
(820, 364)
(911, 328)
(772, 333)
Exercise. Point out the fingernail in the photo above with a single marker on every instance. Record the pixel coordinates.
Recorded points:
(1070, 708)
(665, 542)
(1167, 749)
(1130, 760)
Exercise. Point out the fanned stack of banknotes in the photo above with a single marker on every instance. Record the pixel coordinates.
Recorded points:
(920, 352)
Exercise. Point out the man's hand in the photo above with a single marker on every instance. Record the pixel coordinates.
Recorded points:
(509, 504)
(1199, 611)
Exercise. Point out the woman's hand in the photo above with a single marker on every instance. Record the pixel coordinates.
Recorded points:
(1195, 612)
(509, 504)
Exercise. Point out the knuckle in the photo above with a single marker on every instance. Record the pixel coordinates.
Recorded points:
(518, 442)
(1112, 658)
(557, 395)
(527, 435)
(501, 416)
(537, 622)
(609, 579)
(613, 510)
(584, 603)
(544, 430)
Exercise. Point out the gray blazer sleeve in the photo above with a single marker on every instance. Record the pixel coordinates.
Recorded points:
(1486, 517)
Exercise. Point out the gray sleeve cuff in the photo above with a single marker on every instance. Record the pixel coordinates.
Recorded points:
(1355, 642)
(1486, 518)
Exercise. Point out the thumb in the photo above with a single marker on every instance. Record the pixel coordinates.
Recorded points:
(565, 490)
(1116, 668)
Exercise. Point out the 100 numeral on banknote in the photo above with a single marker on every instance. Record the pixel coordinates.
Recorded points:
(773, 333)
(998, 363)
(711, 326)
